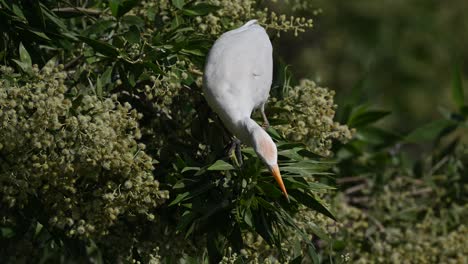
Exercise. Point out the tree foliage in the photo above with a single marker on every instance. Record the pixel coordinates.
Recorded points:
(110, 153)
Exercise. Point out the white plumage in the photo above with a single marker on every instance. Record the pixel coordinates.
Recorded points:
(237, 80)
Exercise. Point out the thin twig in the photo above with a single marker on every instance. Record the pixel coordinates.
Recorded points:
(376, 222)
(438, 165)
(77, 10)
(196, 72)
(359, 200)
(350, 179)
(421, 191)
(73, 62)
(356, 188)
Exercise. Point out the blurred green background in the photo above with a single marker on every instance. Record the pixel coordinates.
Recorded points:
(399, 54)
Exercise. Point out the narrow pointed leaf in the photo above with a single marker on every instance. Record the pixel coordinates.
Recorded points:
(24, 55)
(100, 46)
(430, 131)
(220, 165)
(311, 202)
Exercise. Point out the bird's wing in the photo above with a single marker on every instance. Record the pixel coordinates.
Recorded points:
(240, 65)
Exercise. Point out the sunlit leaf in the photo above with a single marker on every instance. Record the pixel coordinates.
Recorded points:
(178, 3)
(179, 198)
(24, 55)
(114, 6)
(193, 52)
(18, 11)
(200, 9)
(306, 167)
(39, 34)
(220, 165)
(190, 169)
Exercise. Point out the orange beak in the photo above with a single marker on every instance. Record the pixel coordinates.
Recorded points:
(277, 175)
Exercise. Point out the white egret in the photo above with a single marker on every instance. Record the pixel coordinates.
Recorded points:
(237, 80)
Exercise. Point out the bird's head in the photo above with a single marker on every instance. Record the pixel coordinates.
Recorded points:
(266, 150)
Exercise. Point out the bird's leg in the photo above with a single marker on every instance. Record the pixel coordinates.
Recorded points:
(233, 145)
(236, 147)
(266, 124)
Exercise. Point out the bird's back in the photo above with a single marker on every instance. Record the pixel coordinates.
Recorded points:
(238, 72)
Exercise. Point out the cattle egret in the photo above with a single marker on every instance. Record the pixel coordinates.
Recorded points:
(237, 80)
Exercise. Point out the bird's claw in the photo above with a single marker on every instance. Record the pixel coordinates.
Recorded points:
(266, 124)
(236, 148)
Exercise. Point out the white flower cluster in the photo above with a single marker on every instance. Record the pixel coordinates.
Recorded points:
(78, 155)
(310, 112)
(230, 14)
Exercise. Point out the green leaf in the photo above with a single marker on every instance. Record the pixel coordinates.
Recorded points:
(51, 63)
(190, 169)
(98, 28)
(248, 218)
(178, 3)
(430, 131)
(220, 165)
(114, 6)
(269, 189)
(133, 35)
(457, 88)
(18, 12)
(39, 34)
(463, 110)
(23, 66)
(306, 167)
(313, 255)
(274, 134)
(377, 136)
(6, 232)
(99, 87)
(131, 20)
(106, 77)
(179, 198)
(266, 204)
(121, 7)
(312, 202)
(291, 153)
(24, 55)
(192, 52)
(364, 118)
(153, 67)
(200, 9)
(100, 46)
(52, 17)
(263, 225)
(126, 6)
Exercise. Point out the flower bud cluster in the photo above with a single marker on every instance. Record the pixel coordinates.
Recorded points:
(78, 155)
(167, 88)
(387, 236)
(232, 14)
(310, 112)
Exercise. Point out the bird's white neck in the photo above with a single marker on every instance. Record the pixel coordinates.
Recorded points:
(245, 129)
(255, 136)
